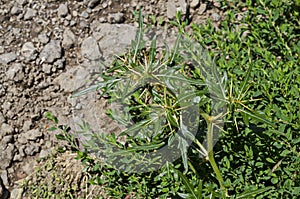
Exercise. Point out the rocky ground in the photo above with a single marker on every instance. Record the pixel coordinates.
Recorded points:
(48, 50)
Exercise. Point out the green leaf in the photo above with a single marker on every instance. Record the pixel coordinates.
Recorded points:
(52, 129)
(256, 116)
(270, 160)
(188, 186)
(251, 194)
(60, 137)
(51, 117)
(245, 82)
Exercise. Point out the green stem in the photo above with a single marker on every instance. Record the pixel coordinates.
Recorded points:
(211, 158)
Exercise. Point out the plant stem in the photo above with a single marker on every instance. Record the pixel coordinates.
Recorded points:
(210, 156)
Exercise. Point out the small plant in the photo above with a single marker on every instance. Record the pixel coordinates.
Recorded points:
(252, 110)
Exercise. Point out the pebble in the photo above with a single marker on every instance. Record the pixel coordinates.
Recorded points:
(30, 13)
(59, 64)
(29, 51)
(46, 68)
(16, 193)
(171, 9)
(2, 119)
(7, 58)
(194, 3)
(51, 52)
(31, 149)
(31, 135)
(44, 153)
(15, 10)
(6, 129)
(202, 8)
(21, 2)
(74, 13)
(116, 18)
(7, 156)
(217, 4)
(84, 15)
(43, 38)
(62, 10)
(73, 23)
(90, 49)
(215, 17)
(6, 140)
(4, 177)
(15, 72)
(68, 39)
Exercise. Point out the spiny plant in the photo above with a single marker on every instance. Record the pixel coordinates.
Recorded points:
(147, 83)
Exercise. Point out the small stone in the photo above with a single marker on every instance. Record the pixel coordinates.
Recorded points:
(6, 129)
(217, 4)
(18, 158)
(29, 51)
(15, 10)
(16, 193)
(51, 52)
(66, 23)
(93, 3)
(90, 49)
(62, 10)
(116, 18)
(68, 39)
(7, 156)
(31, 150)
(31, 135)
(69, 17)
(43, 37)
(7, 58)
(74, 13)
(15, 72)
(47, 68)
(195, 3)
(30, 13)
(6, 140)
(2, 118)
(1, 49)
(6, 106)
(83, 24)
(27, 125)
(45, 153)
(215, 17)
(21, 2)
(202, 8)
(5, 178)
(59, 64)
(171, 9)
(72, 23)
(84, 15)
(28, 168)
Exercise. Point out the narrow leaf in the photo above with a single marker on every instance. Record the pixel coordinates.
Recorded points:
(188, 186)
(251, 194)
(257, 117)
(245, 82)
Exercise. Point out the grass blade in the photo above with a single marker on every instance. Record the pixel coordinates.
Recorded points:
(251, 194)
(188, 185)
